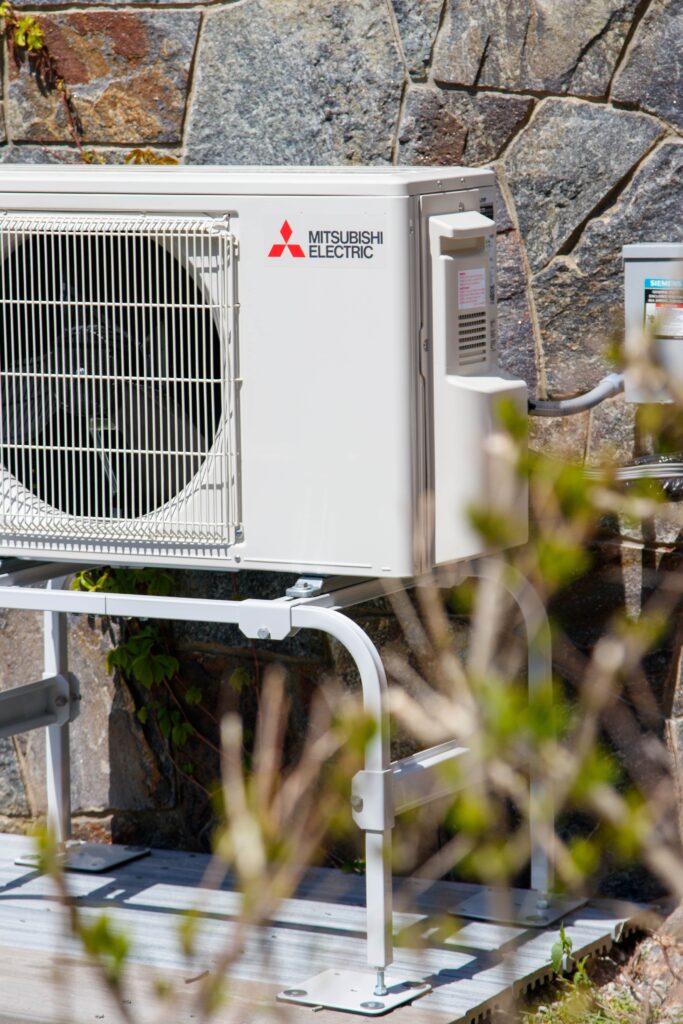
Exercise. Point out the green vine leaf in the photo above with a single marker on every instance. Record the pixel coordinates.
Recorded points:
(28, 34)
(148, 156)
(561, 951)
(239, 679)
(557, 956)
(181, 733)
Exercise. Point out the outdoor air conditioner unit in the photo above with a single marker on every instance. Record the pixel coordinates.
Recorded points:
(273, 368)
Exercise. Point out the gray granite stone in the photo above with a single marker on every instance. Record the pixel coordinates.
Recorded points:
(651, 76)
(564, 163)
(673, 704)
(112, 765)
(430, 132)
(128, 73)
(612, 434)
(13, 802)
(664, 530)
(50, 154)
(57, 4)
(504, 218)
(578, 317)
(440, 127)
(516, 345)
(579, 300)
(418, 23)
(519, 44)
(560, 437)
(282, 82)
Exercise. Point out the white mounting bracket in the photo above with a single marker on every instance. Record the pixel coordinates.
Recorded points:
(51, 701)
(354, 992)
(372, 804)
(380, 791)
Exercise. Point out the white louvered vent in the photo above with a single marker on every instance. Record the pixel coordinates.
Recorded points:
(472, 346)
(116, 378)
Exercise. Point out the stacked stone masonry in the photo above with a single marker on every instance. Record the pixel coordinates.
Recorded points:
(580, 116)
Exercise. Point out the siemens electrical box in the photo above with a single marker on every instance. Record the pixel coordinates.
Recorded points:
(277, 368)
(653, 304)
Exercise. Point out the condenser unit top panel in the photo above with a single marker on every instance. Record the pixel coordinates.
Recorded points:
(653, 251)
(236, 181)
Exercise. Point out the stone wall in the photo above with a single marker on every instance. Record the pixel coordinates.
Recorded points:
(578, 106)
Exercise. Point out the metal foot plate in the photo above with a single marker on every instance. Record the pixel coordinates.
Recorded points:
(524, 907)
(354, 991)
(91, 857)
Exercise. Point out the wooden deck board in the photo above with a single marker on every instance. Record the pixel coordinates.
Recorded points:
(475, 968)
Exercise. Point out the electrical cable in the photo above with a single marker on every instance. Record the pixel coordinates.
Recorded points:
(608, 387)
(666, 468)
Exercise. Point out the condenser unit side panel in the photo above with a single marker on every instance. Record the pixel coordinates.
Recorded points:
(327, 368)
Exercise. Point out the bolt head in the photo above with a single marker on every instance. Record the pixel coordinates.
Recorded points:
(357, 803)
(263, 634)
(61, 702)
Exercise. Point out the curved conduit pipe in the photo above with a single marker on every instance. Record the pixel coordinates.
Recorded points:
(609, 386)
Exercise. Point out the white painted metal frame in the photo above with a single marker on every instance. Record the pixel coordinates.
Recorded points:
(383, 789)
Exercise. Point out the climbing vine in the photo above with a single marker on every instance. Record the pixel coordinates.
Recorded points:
(26, 43)
(143, 655)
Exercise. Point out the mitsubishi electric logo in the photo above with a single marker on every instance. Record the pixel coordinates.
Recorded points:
(330, 244)
(291, 247)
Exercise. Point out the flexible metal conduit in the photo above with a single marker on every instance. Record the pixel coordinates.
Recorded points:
(640, 471)
(608, 387)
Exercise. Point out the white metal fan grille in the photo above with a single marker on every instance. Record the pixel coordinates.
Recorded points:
(117, 412)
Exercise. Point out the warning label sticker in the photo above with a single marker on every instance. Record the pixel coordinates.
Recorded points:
(664, 307)
(472, 288)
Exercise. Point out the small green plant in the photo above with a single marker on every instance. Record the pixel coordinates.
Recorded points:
(171, 725)
(561, 952)
(592, 1007)
(563, 961)
(26, 42)
(110, 580)
(143, 656)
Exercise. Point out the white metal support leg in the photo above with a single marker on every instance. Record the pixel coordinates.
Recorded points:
(378, 840)
(539, 676)
(375, 993)
(57, 749)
